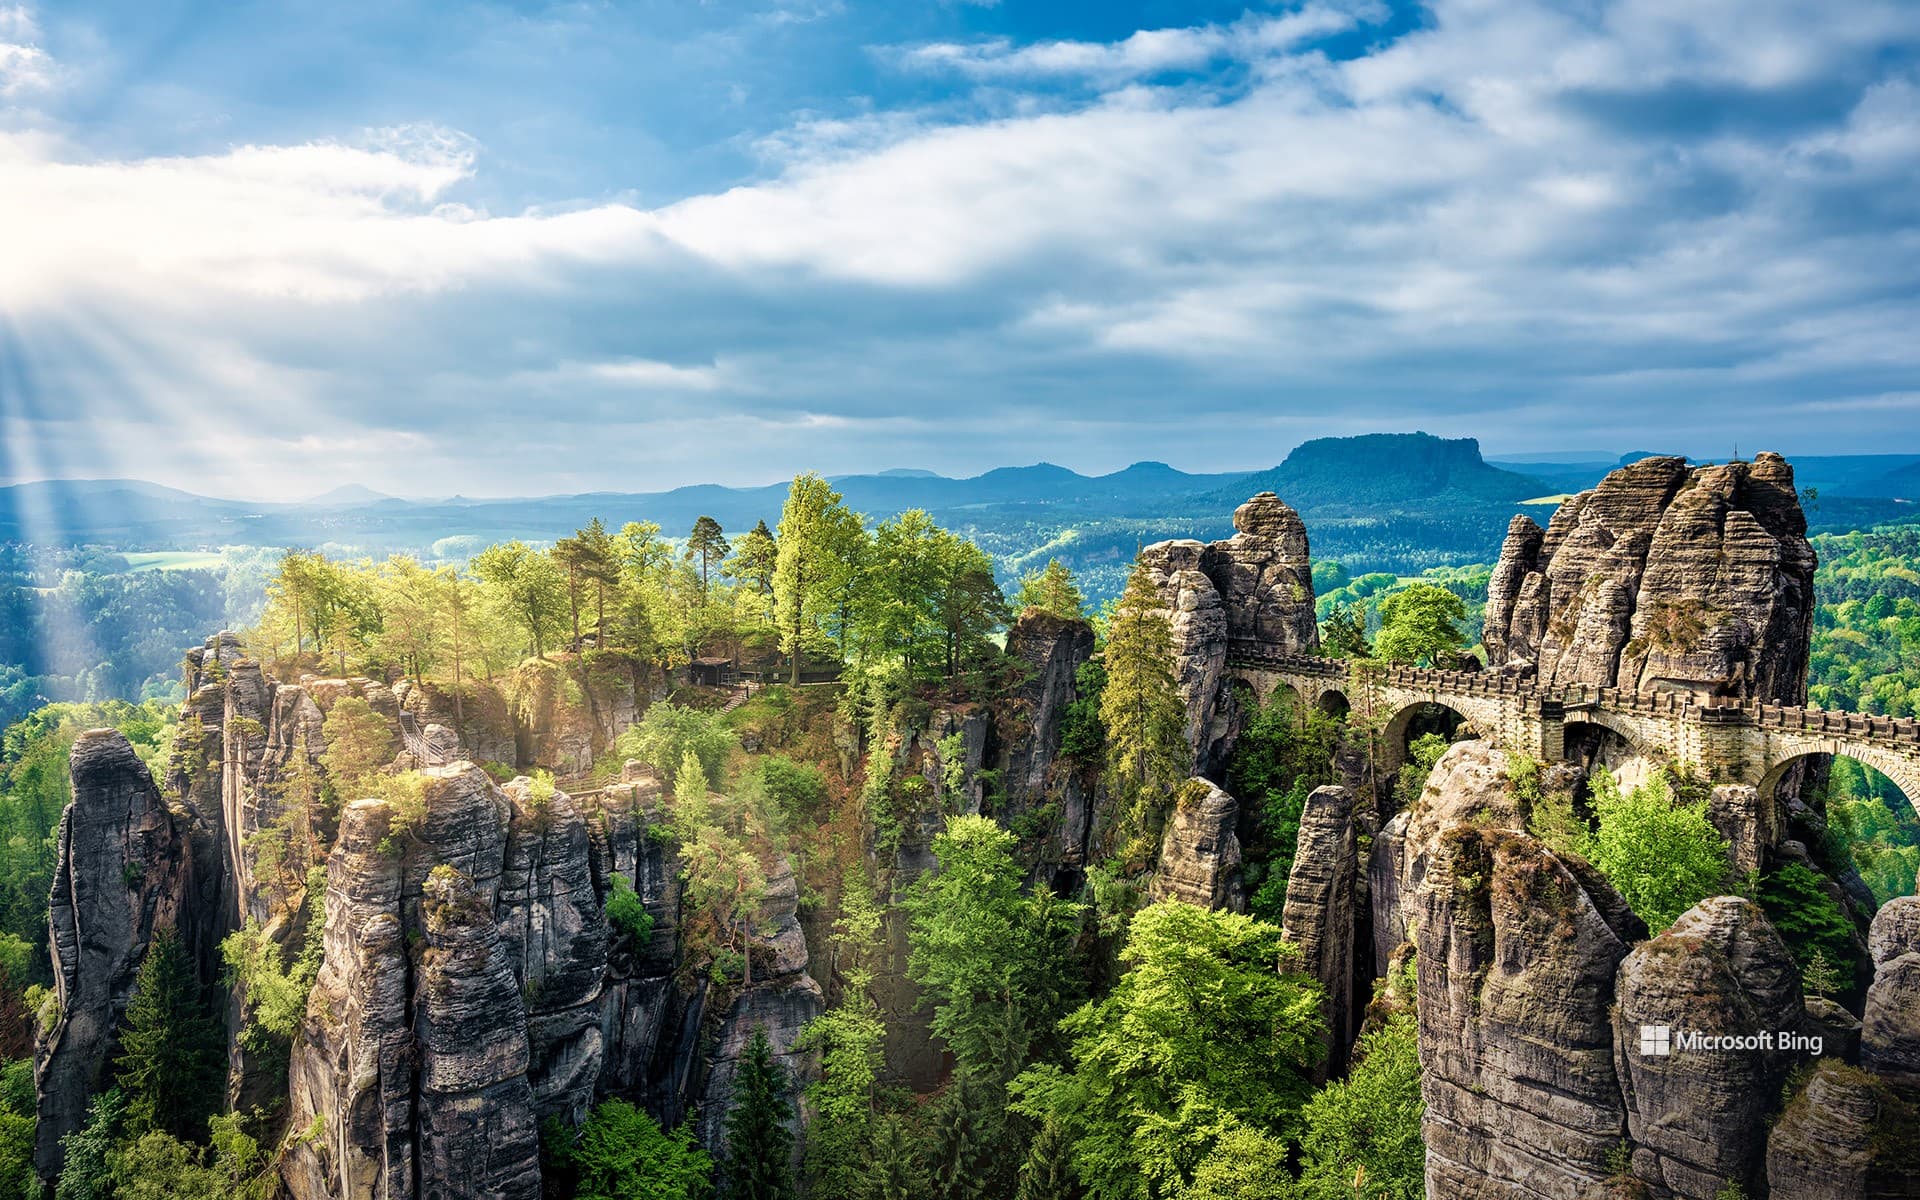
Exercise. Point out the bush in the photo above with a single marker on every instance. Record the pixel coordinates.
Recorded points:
(1368, 1125)
(1662, 857)
(668, 731)
(621, 1153)
(799, 790)
(628, 915)
(1796, 900)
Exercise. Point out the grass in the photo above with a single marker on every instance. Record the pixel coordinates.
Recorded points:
(173, 560)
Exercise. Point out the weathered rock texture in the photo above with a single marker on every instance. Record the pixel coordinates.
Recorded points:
(1200, 850)
(123, 867)
(1846, 1136)
(1253, 591)
(1890, 1030)
(1662, 577)
(1698, 1118)
(1517, 954)
(1320, 911)
(1034, 779)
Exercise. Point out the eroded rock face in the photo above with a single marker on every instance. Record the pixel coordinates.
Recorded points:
(1320, 909)
(1200, 850)
(1890, 1029)
(1698, 1118)
(1032, 775)
(1663, 578)
(1253, 590)
(1517, 955)
(123, 869)
(1846, 1136)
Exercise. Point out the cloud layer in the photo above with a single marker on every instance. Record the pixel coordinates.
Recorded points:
(1613, 224)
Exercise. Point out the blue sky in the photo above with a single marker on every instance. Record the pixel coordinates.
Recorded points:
(265, 249)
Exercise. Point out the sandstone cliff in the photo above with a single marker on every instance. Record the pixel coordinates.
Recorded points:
(1662, 577)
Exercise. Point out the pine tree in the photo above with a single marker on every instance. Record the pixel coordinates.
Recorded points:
(759, 1143)
(170, 1064)
(1051, 591)
(968, 1141)
(708, 541)
(1141, 708)
(896, 1172)
(1048, 1172)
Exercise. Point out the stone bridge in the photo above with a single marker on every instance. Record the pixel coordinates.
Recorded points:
(1731, 741)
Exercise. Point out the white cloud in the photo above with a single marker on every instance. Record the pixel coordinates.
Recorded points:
(24, 66)
(1468, 216)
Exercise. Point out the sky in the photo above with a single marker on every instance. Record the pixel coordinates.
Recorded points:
(265, 249)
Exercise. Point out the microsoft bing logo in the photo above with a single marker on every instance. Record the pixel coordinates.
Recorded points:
(1656, 1041)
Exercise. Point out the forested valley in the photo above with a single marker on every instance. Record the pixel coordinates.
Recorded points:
(1001, 1008)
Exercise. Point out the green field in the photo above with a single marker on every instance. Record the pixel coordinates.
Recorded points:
(173, 560)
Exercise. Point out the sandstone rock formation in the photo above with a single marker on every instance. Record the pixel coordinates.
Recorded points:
(1697, 1118)
(1253, 590)
(1662, 577)
(1845, 1136)
(1890, 1029)
(1032, 777)
(1517, 955)
(1320, 911)
(1200, 850)
(123, 867)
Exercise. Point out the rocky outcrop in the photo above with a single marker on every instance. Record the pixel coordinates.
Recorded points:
(1033, 778)
(1200, 850)
(1845, 1136)
(1386, 866)
(1750, 825)
(1253, 591)
(1517, 954)
(1319, 916)
(1890, 1028)
(122, 870)
(1662, 578)
(1698, 1118)
(639, 1006)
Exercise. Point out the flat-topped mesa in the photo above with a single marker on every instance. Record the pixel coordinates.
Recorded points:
(1662, 578)
(1252, 592)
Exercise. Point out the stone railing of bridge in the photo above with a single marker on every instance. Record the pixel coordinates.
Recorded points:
(1742, 741)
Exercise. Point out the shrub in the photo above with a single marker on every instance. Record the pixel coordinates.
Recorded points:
(1662, 857)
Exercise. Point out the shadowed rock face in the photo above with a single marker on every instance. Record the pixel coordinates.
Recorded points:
(1698, 1118)
(124, 864)
(1846, 1136)
(1254, 588)
(1031, 775)
(1199, 851)
(1517, 954)
(1662, 577)
(1890, 1031)
(1320, 908)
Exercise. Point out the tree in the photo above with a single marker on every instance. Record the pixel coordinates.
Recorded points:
(1421, 624)
(621, 1153)
(171, 1066)
(1201, 1035)
(1141, 710)
(1047, 1174)
(966, 1143)
(896, 1172)
(359, 743)
(849, 1038)
(586, 559)
(666, 732)
(759, 1144)
(1283, 754)
(409, 598)
(1051, 591)
(1663, 857)
(755, 558)
(1367, 1126)
(1344, 633)
(1246, 1164)
(526, 587)
(709, 542)
(819, 545)
(986, 955)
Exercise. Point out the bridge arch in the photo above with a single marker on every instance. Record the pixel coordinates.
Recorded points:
(1902, 772)
(1333, 702)
(1411, 720)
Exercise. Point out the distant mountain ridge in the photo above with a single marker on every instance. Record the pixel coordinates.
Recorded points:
(1386, 469)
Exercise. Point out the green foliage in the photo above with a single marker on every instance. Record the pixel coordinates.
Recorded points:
(88, 1174)
(1796, 900)
(967, 1144)
(172, 1065)
(1422, 753)
(1281, 756)
(1867, 621)
(359, 743)
(849, 1039)
(896, 1172)
(157, 1166)
(987, 957)
(1344, 633)
(1081, 734)
(759, 1144)
(666, 733)
(1246, 1164)
(1201, 1036)
(1663, 857)
(1047, 1173)
(1873, 824)
(818, 551)
(525, 590)
(798, 790)
(1144, 717)
(621, 1153)
(1422, 624)
(1051, 591)
(17, 1110)
(627, 914)
(276, 996)
(1367, 1126)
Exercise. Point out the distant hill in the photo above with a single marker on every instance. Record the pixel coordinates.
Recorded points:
(348, 495)
(1387, 469)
